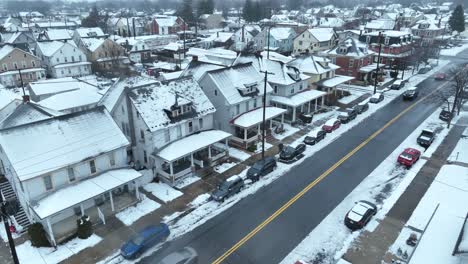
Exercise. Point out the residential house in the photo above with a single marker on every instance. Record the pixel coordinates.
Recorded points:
(218, 40)
(395, 46)
(380, 24)
(166, 25)
(63, 59)
(139, 48)
(314, 40)
(354, 59)
(280, 39)
(210, 21)
(426, 32)
(41, 26)
(55, 34)
(85, 33)
(127, 27)
(236, 92)
(13, 62)
(244, 35)
(21, 39)
(76, 165)
(104, 54)
(331, 22)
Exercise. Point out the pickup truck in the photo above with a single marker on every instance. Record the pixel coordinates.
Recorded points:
(425, 138)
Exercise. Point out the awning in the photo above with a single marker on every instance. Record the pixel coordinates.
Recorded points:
(333, 82)
(191, 144)
(370, 67)
(77, 193)
(255, 117)
(299, 98)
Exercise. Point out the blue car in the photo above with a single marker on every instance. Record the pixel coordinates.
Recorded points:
(145, 239)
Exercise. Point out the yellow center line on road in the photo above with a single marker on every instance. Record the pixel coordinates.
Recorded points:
(319, 179)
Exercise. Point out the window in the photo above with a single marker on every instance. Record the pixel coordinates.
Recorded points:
(58, 60)
(255, 102)
(123, 110)
(292, 90)
(145, 157)
(300, 42)
(33, 63)
(47, 182)
(237, 109)
(23, 64)
(112, 159)
(71, 174)
(300, 87)
(15, 65)
(5, 67)
(66, 59)
(275, 89)
(216, 92)
(179, 131)
(73, 58)
(92, 166)
(247, 106)
(167, 136)
(79, 57)
(142, 134)
(190, 126)
(200, 123)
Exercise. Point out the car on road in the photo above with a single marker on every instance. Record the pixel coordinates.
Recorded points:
(144, 240)
(360, 215)
(376, 98)
(440, 76)
(426, 138)
(227, 188)
(290, 154)
(362, 107)
(261, 168)
(397, 85)
(409, 156)
(315, 137)
(331, 125)
(411, 93)
(445, 115)
(187, 255)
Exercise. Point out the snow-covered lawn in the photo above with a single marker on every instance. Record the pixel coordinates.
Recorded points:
(288, 130)
(331, 239)
(238, 154)
(259, 146)
(186, 181)
(353, 96)
(460, 153)
(133, 213)
(29, 254)
(224, 166)
(162, 191)
(449, 190)
(454, 51)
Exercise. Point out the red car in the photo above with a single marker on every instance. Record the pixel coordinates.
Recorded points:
(440, 76)
(331, 125)
(409, 156)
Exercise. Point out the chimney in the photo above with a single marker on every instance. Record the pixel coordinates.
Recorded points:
(25, 98)
(194, 58)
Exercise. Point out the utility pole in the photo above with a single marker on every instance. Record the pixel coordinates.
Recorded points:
(22, 84)
(4, 217)
(378, 61)
(264, 94)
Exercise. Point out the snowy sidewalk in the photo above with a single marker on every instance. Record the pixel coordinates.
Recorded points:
(371, 247)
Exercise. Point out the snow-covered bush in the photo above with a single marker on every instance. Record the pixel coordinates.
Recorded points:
(38, 235)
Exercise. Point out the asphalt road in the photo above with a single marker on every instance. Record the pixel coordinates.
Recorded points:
(279, 237)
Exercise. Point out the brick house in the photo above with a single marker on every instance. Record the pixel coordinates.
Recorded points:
(13, 61)
(165, 25)
(397, 46)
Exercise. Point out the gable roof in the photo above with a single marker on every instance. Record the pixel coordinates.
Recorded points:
(153, 101)
(50, 48)
(92, 32)
(350, 47)
(313, 64)
(5, 50)
(92, 44)
(59, 142)
(26, 113)
(322, 34)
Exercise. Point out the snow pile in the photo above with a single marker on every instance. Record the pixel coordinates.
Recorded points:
(460, 153)
(201, 199)
(186, 181)
(162, 191)
(238, 154)
(133, 213)
(29, 254)
(454, 51)
(224, 167)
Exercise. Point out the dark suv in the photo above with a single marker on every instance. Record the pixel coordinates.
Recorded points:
(360, 215)
(261, 168)
(227, 188)
(290, 154)
(315, 137)
(347, 115)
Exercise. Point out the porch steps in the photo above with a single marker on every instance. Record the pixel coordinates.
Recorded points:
(20, 216)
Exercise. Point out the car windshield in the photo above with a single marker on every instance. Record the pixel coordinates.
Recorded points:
(288, 151)
(138, 240)
(225, 185)
(406, 156)
(258, 165)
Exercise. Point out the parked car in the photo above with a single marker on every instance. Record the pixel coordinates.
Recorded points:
(445, 115)
(411, 93)
(290, 154)
(314, 138)
(376, 98)
(360, 215)
(261, 168)
(362, 107)
(227, 188)
(347, 115)
(397, 85)
(331, 125)
(408, 157)
(306, 118)
(187, 255)
(425, 138)
(144, 240)
(424, 70)
(440, 76)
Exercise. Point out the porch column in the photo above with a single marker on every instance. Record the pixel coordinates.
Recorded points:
(137, 192)
(82, 209)
(316, 102)
(191, 160)
(294, 114)
(308, 107)
(271, 123)
(226, 144)
(245, 134)
(282, 118)
(112, 201)
(171, 168)
(209, 151)
(51, 233)
(323, 99)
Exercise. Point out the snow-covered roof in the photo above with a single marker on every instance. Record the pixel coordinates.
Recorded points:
(92, 43)
(72, 99)
(281, 73)
(313, 64)
(322, 34)
(334, 81)
(167, 21)
(370, 67)
(220, 37)
(299, 98)
(191, 144)
(6, 97)
(49, 48)
(255, 117)
(59, 142)
(26, 113)
(153, 102)
(381, 24)
(58, 34)
(81, 191)
(389, 33)
(351, 47)
(5, 50)
(93, 32)
(282, 33)
(229, 80)
(199, 68)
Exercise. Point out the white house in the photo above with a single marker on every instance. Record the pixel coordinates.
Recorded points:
(63, 59)
(314, 40)
(71, 165)
(244, 35)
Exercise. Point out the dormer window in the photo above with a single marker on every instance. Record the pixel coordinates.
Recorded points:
(248, 89)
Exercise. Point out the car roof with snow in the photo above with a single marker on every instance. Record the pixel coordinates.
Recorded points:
(412, 88)
(398, 82)
(358, 211)
(376, 95)
(331, 122)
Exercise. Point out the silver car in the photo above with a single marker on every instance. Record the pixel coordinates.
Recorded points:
(187, 255)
